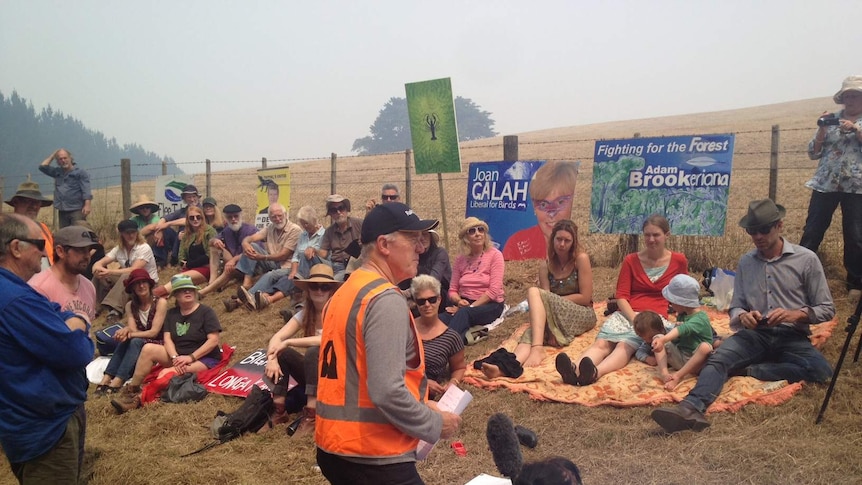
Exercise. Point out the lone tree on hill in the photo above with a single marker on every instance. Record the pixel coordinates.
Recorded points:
(391, 130)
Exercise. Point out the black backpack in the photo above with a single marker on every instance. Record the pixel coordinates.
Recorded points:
(250, 417)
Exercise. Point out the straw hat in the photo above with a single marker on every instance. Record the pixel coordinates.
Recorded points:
(30, 190)
(320, 273)
(471, 222)
(144, 201)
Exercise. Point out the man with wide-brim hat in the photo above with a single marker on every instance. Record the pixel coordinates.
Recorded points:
(779, 290)
(368, 329)
(27, 201)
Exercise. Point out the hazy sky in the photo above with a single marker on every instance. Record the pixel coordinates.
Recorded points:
(289, 79)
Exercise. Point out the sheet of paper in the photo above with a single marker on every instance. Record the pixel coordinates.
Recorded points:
(454, 400)
(484, 479)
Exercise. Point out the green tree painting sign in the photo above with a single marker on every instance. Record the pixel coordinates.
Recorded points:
(433, 128)
(684, 178)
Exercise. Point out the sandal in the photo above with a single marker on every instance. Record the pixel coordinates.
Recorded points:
(101, 390)
(112, 390)
(566, 369)
(587, 372)
(476, 334)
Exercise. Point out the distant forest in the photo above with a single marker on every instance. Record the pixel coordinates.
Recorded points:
(28, 137)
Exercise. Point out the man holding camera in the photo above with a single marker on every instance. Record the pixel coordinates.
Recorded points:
(838, 181)
(779, 290)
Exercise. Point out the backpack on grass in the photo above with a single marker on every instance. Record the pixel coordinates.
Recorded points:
(254, 413)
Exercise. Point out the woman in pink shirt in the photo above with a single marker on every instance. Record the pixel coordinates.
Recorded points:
(476, 290)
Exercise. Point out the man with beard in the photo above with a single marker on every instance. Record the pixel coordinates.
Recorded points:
(44, 353)
(338, 236)
(26, 202)
(72, 194)
(63, 283)
(280, 238)
(228, 247)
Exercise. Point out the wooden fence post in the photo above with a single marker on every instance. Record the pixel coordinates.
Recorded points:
(209, 179)
(773, 163)
(126, 185)
(263, 163)
(510, 148)
(332, 173)
(407, 180)
(164, 167)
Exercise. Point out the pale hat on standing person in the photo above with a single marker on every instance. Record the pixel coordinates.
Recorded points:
(852, 83)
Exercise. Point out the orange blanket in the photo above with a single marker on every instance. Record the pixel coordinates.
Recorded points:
(637, 384)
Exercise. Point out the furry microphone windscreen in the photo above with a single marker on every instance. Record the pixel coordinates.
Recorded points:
(504, 445)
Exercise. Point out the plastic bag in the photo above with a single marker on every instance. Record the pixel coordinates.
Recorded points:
(184, 388)
(722, 287)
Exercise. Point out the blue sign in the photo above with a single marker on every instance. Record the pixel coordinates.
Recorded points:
(684, 178)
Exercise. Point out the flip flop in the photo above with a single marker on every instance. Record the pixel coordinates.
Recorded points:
(476, 334)
(587, 372)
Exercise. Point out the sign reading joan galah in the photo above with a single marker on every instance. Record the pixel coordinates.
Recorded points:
(684, 178)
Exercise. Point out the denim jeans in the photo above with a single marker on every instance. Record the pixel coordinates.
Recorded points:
(820, 210)
(303, 270)
(267, 282)
(247, 266)
(768, 354)
(467, 317)
(125, 357)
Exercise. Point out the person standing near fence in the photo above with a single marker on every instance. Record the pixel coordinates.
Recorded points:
(26, 202)
(838, 180)
(72, 194)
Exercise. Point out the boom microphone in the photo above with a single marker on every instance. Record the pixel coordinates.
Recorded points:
(504, 445)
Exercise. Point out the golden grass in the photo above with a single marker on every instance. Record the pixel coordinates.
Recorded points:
(756, 445)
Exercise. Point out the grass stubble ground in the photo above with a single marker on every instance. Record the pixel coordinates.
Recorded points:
(757, 445)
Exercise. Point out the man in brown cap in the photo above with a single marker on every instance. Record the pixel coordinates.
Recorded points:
(779, 290)
(26, 202)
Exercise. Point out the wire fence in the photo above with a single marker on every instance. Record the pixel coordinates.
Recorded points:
(359, 178)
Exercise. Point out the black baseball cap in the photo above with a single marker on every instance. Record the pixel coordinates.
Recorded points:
(127, 225)
(392, 217)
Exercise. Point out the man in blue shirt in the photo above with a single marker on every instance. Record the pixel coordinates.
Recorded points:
(227, 247)
(779, 289)
(72, 194)
(43, 353)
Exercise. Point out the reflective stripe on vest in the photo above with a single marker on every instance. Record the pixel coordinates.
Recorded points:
(347, 421)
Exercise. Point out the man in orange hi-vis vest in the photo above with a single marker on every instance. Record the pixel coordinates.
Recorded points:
(372, 391)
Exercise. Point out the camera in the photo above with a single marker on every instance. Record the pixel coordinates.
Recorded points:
(828, 120)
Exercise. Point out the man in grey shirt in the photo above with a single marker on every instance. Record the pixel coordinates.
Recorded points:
(779, 289)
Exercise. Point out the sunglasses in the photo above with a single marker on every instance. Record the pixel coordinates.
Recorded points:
(552, 207)
(39, 243)
(422, 301)
(759, 229)
(326, 287)
(475, 229)
(195, 218)
(337, 208)
(389, 197)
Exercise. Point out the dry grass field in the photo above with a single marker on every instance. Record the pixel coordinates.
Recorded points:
(757, 445)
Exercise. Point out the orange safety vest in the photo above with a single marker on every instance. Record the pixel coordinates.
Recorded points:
(49, 242)
(347, 422)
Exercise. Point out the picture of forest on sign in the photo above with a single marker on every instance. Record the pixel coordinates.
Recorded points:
(684, 178)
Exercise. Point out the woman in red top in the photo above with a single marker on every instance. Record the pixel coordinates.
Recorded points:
(642, 277)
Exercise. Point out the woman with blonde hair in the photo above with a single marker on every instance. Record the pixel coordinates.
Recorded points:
(476, 290)
(194, 249)
(443, 347)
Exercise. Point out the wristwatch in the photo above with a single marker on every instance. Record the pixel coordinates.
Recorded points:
(174, 356)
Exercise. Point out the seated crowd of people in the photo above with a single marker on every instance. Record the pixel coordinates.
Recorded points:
(306, 263)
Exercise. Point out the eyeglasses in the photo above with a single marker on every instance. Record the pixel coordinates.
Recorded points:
(475, 229)
(389, 197)
(195, 218)
(765, 229)
(422, 301)
(325, 287)
(336, 208)
(552, 207)
(39, 243)
(231, 217)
